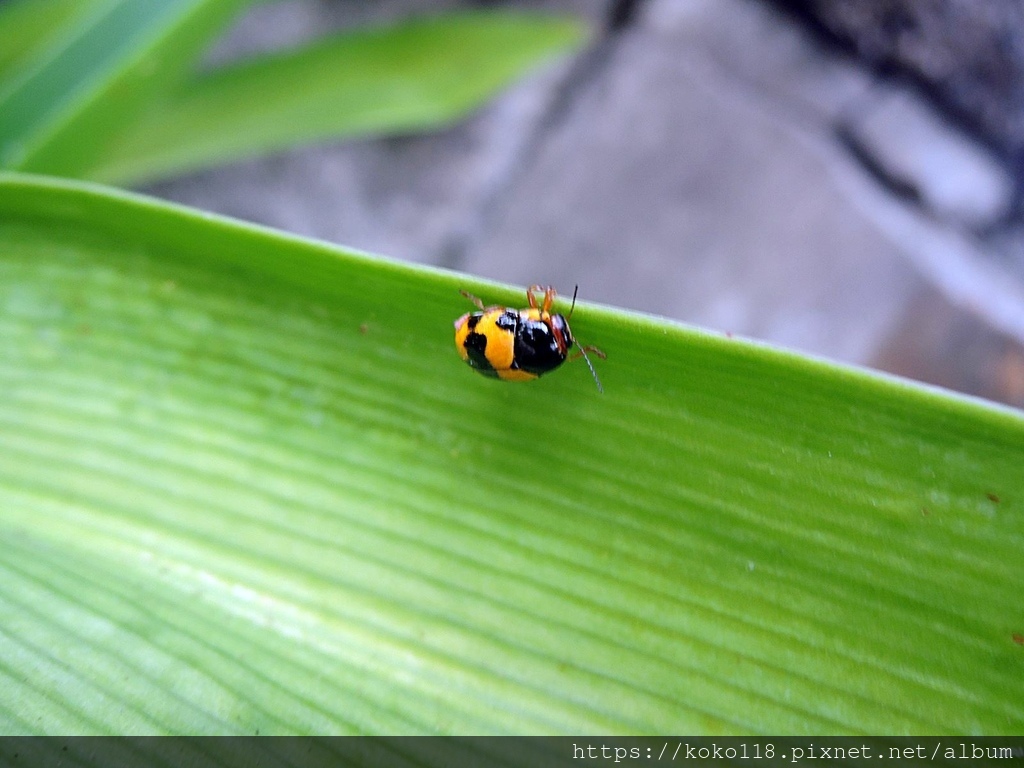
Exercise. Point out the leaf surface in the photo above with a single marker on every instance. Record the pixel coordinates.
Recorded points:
(246, 484)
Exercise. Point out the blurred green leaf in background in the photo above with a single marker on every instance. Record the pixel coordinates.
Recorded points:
(111, 89)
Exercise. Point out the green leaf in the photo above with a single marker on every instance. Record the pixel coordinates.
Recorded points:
(30, 26)
(247, 484)
(419, 74)
(98, 89)
(59, 109)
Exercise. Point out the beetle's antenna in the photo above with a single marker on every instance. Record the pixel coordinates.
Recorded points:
(583, 351)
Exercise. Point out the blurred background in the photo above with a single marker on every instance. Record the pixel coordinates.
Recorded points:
(841, 177)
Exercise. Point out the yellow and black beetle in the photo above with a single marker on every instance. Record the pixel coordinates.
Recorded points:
(519, 344)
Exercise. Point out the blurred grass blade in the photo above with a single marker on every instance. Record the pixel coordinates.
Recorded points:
(246, 485)
(418, 74)
(29, 26)
(61, 107)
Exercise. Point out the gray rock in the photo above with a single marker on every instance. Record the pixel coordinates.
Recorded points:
(968, 54)
(956, 179)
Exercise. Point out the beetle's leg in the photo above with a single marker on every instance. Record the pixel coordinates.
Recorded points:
(476, 301)
(531, 298)
(549, 298)
(592, 350)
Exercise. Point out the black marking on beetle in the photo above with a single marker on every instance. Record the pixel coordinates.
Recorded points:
(508, 321)
(476, 349)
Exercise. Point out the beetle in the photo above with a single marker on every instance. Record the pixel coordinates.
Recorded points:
(520, 344)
